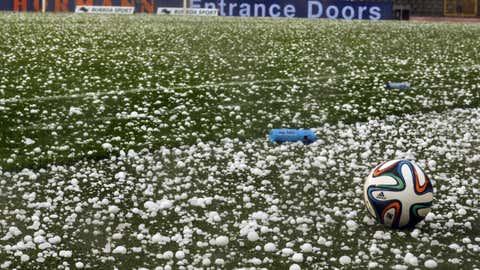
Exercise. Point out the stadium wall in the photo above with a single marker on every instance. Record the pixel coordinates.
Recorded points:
(431, 8)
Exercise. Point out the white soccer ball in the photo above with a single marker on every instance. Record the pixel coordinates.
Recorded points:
(398, 193)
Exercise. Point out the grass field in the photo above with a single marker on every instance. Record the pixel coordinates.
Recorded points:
(141, 141)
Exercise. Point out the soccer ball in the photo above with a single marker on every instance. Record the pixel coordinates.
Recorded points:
(398, 193)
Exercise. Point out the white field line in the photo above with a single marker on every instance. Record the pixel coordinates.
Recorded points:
(54, 127)
(199, 86)
(332, 76)
(84, 95)
(206, 85)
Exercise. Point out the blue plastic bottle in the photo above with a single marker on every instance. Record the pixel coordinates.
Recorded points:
(292, 135)
(398, 85)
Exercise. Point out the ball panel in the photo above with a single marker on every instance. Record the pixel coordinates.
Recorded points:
(370, 207)
(418, 213)
(385, 180)
(385, 167)
(391, 213)
(379, 206)
(388, 164)
(394, 183)
(427, 186)
(420, 176)
(421, 210)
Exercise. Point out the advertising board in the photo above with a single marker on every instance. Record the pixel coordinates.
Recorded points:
(362, 10)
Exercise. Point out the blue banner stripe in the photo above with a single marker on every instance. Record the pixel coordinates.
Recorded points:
(246, 8)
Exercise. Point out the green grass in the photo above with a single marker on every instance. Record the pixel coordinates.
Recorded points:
(322, 66)
(191, 96)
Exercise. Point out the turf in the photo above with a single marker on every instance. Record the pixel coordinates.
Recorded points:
(98, 110)
(254, 74)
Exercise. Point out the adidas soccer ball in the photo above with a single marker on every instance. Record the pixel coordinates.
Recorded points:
(398, 193)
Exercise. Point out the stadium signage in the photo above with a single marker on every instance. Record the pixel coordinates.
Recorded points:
(333, 9)
(307, 9)
(187, 11)
(104, 9)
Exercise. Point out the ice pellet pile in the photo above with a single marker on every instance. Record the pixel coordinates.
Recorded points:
(249, 203)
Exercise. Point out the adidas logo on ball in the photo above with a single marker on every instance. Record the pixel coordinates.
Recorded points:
(381, 196)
